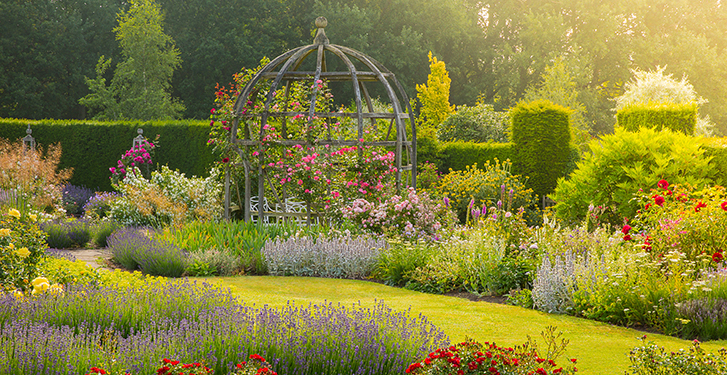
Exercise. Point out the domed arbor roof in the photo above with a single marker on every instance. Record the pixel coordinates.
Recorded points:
(361, 70)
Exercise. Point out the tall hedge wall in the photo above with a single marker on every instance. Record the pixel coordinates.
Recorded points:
(540, 133)
(677, 117)
(91, 147)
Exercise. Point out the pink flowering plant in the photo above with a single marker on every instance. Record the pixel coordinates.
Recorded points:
(412, 216)
(679, 218)
(290, 150)
(139, 157)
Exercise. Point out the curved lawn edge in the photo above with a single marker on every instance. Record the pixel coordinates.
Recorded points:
(600, 348)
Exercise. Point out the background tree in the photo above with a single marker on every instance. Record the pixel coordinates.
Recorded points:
(494, 49)
(141, 83)
(559, 87)
(434, 97)
(46, 49)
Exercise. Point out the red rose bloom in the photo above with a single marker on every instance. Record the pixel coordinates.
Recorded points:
(225, 160)
(699, 206)
(659, 200)
(647, 243)
(663, 184)
(717, 257)
(626, 229)
(627, 237)
(724, 206)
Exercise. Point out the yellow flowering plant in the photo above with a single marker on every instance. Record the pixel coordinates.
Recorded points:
(22, 246)
(485, 187)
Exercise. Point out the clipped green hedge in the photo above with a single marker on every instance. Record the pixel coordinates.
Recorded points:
(716, 148)
(460, 154)
(677, 117)
(540, 133)
(92, 147)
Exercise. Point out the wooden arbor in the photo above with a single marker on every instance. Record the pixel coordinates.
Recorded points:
(283, 70)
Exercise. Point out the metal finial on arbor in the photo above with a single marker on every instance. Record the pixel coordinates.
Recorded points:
(28, 140)
(360, 70)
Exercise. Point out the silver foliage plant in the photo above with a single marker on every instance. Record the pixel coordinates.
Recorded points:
(344, 257)
(552, 288)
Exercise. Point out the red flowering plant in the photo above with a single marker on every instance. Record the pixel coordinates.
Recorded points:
(472, 358)
(681, 219)
(255, 366)
(291, 150)
(100, 371)
(172, 367)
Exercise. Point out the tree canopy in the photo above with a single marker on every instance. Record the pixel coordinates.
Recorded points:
(139, 89)
(495, 49)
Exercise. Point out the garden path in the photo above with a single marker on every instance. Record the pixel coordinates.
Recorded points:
(91, 257)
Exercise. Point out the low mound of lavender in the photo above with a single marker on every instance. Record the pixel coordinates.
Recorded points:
(86, 326)
(140, 248)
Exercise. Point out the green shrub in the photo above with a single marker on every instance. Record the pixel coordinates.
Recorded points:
(716, 149)
(540, 134)
(622, 163)
(92, 147)
(460, 154)
(396, 263)
(477, 124)
(652, 359)
(214, 262)
(428, 148)
(64, 271)
(468, 264)
(675, 117)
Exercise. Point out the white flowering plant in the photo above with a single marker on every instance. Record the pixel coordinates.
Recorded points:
(167, 197)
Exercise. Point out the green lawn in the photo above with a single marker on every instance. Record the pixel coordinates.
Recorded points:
(600, 348)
